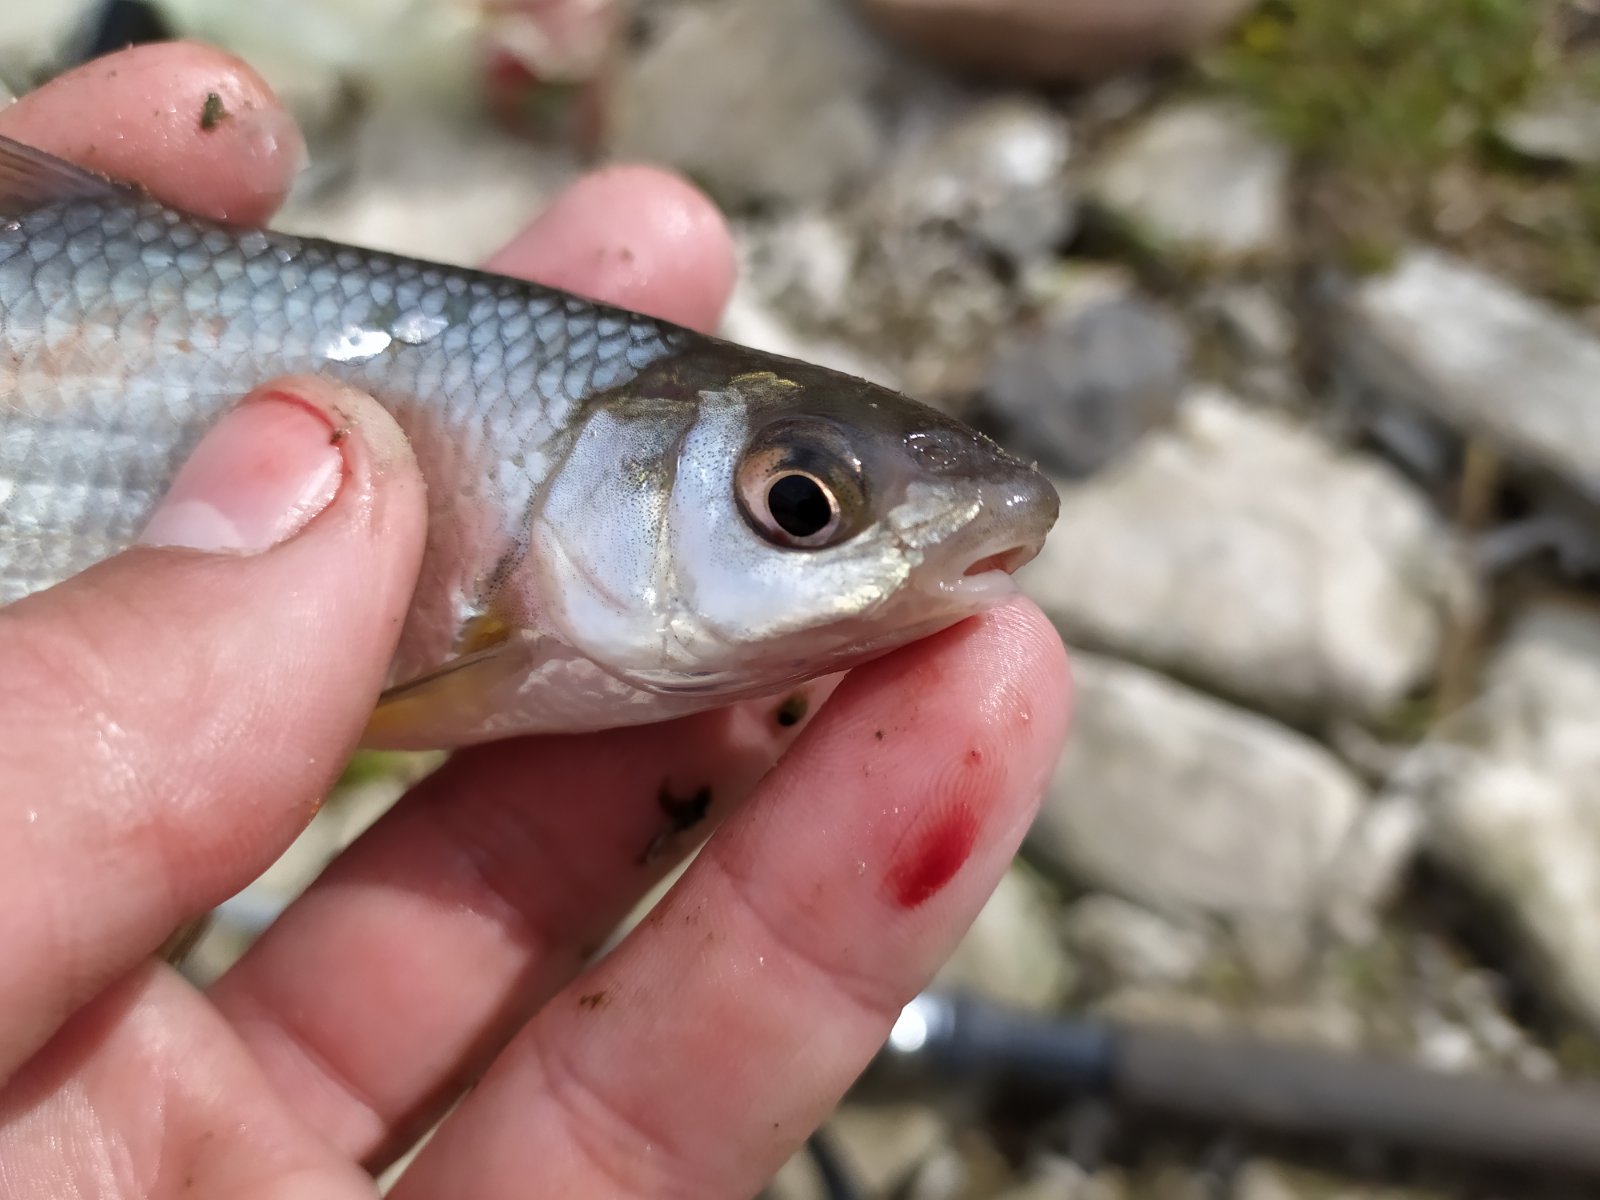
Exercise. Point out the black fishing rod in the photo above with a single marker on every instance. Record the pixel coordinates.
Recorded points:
(1476, 1125)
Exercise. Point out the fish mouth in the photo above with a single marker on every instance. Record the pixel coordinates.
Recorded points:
(988, 576)
(1007, 561)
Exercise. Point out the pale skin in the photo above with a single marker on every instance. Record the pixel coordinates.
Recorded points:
(170, 719)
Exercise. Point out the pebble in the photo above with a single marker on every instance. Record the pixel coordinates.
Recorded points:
(1011, 953)
(1560, 126)
(1191, 806)
(1201, 181)
(1102, 368)
(995, 173)
(1241, 550)
(1483, 358)
(764, 103)
(1514, 797)
(1123, 942)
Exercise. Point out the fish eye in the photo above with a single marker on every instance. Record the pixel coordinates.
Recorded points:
(802, 506)
(800, 487)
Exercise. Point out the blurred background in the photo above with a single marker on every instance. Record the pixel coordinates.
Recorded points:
(1299, 302)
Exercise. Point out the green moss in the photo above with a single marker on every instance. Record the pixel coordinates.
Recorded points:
(1386, 89)
(1393, 110)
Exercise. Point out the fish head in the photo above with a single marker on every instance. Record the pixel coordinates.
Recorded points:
(732, 523)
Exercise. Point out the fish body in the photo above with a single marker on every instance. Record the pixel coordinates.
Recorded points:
(627, 520)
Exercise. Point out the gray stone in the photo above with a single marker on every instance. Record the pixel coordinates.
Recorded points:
(425, 183)
(34, 37)
(1058, 1178)
(886, 1145)
(1372, 867)
(1556, 125)
(1011, 953)
(1100, 370)
(996, 173)
(1254, 330)
(1329, 1026)
(1201, 179)
(1514, 790)
(1191, 806)
(1127, 944)
(1483, 358)
(760, 103)
(1269, 1181)
(881, 1148)
(1244, 552)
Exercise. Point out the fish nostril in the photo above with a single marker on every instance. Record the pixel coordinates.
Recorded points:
(1007, 561)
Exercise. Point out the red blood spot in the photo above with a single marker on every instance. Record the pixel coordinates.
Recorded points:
(933, 857)
(974, 757)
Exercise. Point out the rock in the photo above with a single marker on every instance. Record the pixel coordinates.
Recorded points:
(1483, 358)
(750, 322)
(1200, 180)
(799, 78)
(885, 1145)
(1100, 370)
(1052, 40)
(908, 275)
(1059, 1178)
(1131, 945)
(802, 261)
(1327, 1026)
(1011, 953)
(1262, 1180)
(1515, 797)
(35, 37)
(1556, 125)
(996, 173)
(1254, 331)
(1191, 806)
(1242, 551)
(429, 185)
(1372, 868)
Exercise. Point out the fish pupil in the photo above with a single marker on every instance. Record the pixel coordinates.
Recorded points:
(799, 506)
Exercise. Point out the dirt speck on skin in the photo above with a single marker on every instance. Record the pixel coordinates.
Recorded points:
(593, 1001)
(212, 113)
(878, 735)
(792, 711)
(683, 813)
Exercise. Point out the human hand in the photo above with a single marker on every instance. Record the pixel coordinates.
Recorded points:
(170, 719)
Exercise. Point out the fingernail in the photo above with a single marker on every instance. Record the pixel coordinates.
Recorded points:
(256, 479)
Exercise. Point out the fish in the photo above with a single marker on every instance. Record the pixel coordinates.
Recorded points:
(628, 521)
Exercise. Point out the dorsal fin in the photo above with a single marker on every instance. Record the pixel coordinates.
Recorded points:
(31, 179)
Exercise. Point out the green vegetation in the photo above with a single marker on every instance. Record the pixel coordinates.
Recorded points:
(1394, 109)
(1390, 89)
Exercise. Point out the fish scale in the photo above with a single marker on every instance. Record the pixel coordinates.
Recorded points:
(128, 329)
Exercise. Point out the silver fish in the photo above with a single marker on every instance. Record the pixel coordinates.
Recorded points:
(628, 521)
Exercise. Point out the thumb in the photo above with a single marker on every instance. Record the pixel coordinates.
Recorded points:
(170, 719)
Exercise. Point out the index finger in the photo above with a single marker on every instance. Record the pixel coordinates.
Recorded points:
(195, 127)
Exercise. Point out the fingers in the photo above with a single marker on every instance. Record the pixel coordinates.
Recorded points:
(695, 1059)
(172, 716)
(393, 980)
(475, 874)
(146, 116)
(130, 1097)
(635, 237)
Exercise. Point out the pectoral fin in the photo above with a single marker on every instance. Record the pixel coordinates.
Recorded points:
(441, 708)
